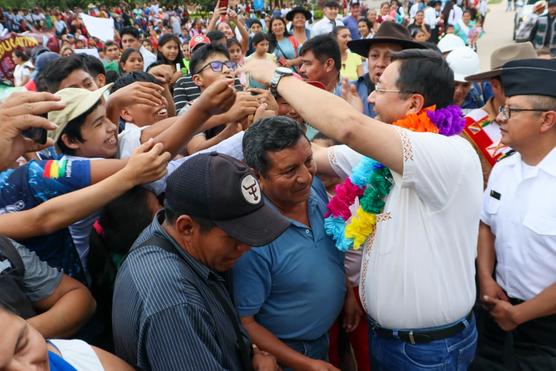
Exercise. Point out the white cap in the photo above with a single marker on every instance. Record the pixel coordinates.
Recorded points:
(464, 61)
(449, 43)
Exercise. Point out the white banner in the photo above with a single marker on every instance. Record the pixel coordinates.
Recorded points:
(101, 28)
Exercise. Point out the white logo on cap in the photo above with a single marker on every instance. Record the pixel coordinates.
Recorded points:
(251, 190)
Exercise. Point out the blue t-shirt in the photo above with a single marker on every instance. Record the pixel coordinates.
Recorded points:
(32, 184)
(294, 286)
(353, 27)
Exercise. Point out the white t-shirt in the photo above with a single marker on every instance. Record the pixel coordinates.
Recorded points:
(418, 269)
(519, 206)
(21, 70)
(79, 354)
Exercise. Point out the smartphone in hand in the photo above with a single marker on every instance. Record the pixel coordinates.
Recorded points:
(37, 135)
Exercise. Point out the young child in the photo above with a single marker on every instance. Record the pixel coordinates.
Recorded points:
(237, 56)
(261, 43)
(169, 52)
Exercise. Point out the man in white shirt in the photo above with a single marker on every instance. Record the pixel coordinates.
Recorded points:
(433, 19)
(455, 14)
(518, 225)
(417, 278)
(329, 21)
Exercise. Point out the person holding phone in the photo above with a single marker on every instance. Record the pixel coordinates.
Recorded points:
(284, 46)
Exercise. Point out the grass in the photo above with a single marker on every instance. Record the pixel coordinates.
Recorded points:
(494, 1)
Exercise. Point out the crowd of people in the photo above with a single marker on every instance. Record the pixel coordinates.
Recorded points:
(266, 191)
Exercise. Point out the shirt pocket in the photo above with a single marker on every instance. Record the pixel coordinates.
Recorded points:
(542, 233)
(492, 205)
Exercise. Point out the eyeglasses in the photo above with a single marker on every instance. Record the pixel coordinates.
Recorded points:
(217, 66)
(506, 111)
(378, 89)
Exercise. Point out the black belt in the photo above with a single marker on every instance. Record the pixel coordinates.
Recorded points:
(421, 337)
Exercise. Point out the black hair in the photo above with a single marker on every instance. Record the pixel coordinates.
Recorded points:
(259, 37)
(122, 221)
(20, 53)
(171, 215)
(108, 44)
(323, 47)
(164, 39)
(93, 65)
(268, 135)
(367, 22)
(336, 30)
(111, 76)
(215, 35)
(73, 130)
(130, 31)
(437, 88)
(233, 41)
(131, 77)
(62, 68)
(201, 54)
(126, 54)
(255, 21)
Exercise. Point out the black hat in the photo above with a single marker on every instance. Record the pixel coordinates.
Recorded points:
(529, 77)
(331, 4)
(388, 32)
(225, 191)
(299, 9)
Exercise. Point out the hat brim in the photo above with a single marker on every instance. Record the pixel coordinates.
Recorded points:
(293, 12)
(484, 75)
(362, 46)
(256, 229)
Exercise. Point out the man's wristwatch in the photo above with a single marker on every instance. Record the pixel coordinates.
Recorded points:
(279, 72)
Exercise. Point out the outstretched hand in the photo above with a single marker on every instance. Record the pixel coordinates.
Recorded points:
(147, 164)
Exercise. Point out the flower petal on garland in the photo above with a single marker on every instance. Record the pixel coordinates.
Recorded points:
(335, 227)
(449, 120)
(360, 173)
(346, 193)
(361, 226)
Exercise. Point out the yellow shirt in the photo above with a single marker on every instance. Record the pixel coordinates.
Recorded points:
(349, 66)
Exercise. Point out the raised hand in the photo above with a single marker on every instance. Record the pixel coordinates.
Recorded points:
(139, 92)
(22, 111)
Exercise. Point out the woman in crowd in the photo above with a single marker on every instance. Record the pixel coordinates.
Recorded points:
(418, 29)
(284, 46)
(169, 52)
(352, 66)
(23, 67)
(464, 28)
(66, 50)
(365, 28)
(298, 16)
(131, 61)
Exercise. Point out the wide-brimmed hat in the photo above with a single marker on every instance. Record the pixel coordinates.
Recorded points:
(301, 10)
(388, 33)
(503, 55)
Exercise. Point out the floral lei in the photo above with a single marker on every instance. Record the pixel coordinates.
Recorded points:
(371, 182)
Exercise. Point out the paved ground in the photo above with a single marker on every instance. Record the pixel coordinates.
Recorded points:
(498, 32)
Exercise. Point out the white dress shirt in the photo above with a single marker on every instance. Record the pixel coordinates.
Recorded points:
(325, 26)
(431, 18)
(418, 269)
(519, 205)
(455, 16)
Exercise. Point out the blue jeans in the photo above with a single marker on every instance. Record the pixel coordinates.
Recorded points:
(453, 353)
(316, 349)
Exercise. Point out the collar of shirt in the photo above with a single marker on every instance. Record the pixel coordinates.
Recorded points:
(202, 270)
(547, 164)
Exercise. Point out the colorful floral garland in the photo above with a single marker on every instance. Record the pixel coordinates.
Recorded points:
(371, 182)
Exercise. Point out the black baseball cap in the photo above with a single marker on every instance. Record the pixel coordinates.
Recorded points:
(225, 191)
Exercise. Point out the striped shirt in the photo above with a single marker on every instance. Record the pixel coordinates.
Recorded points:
(185, 91)
(165, 313)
